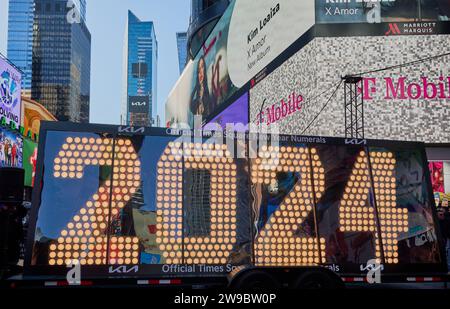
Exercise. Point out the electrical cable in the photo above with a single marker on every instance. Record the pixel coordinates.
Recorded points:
(323, 107)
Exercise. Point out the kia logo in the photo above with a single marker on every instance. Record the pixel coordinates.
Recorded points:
(123, 269)
(355, 141)
(139, 103)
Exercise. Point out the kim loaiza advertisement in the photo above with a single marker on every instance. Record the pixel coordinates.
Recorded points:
(378, 11)
(211, 84)
(248, 37)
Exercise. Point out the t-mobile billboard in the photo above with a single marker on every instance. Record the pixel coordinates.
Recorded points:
(407, 103)
(10, 91)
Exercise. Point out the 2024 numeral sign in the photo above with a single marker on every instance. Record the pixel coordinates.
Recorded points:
(86, 238)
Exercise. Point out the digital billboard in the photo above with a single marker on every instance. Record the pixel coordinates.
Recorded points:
(249, 35)
(378, 11)
(11, 144)
(261, 30)
(408, 102)
(205, 83)
(29, 161)
(159, 203)
(10, 93)
(33, 113)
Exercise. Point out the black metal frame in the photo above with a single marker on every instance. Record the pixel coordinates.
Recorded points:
(353, 107)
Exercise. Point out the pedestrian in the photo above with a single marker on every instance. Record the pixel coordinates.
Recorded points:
(444, 224)
(7, 153)
(2, 155)
(14, 155)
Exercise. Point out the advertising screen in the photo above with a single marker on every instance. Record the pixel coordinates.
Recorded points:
(29, 161)
(33, 114)
(249, 35)
(409, 100)
(10, 92)
(377, 11)
(258, 33)
(205, 83)
(11, 144)
(158, 203)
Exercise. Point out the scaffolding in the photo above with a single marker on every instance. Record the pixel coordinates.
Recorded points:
(354, 107)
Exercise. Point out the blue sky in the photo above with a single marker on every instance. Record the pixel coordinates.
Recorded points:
(106, 20)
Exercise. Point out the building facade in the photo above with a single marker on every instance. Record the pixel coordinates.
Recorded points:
(81, 6)
(182, 50)
(139, 105)
(20, 39)
(61, 62)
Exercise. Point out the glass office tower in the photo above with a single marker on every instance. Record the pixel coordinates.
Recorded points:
(139, 106)
(81, 5)
(61, 62)
(182, 50)
(20, 38)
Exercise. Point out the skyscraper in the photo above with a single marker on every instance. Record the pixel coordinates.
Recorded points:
(61, 60)
(182, 50)
(20, 39)
(139, 105)
(81, 5)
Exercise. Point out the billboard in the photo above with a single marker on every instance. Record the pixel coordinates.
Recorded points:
(11, 144)
(138, 104)
(249, 36)
(178, 205)
(205, 83)
(378, 11)
(406, 103)
(29, 161)
(10, 92)
(33, 113)
(261, 30)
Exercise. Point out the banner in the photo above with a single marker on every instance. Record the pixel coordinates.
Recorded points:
(10, 91)
(29, 161)
(10, 148)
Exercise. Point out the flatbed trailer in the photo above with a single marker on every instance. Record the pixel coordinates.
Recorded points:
(128, 206)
